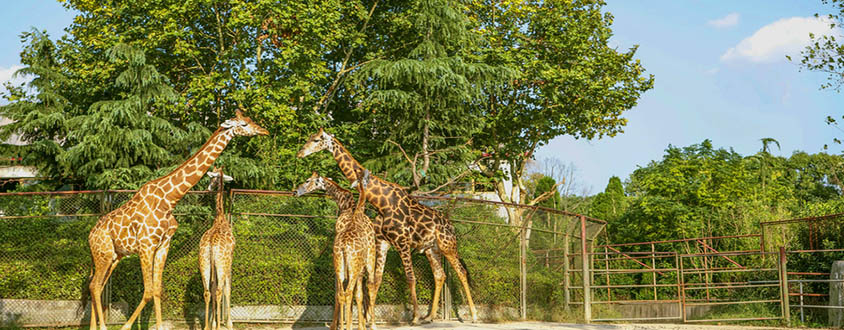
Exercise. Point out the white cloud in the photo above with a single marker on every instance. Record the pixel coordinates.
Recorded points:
(772, 42)
(727, 21)
(7, 73)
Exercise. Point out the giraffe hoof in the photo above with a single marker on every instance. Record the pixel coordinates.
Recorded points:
(426, 320)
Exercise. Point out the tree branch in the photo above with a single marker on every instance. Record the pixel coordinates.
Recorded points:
(546, 194)
(453, 179)
(324, 100)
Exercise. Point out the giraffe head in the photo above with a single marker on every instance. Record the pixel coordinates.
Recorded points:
(215, 174)
(243, 126)
(315, 182)
(321, 140)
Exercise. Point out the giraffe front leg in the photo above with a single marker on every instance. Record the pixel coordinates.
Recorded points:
(439, 279)
(407, 262)
(158, 271)
(146, 256)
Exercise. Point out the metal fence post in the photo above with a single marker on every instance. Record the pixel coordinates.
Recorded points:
(786, 311)
(584, 258)
(523, 273)
(566, 272)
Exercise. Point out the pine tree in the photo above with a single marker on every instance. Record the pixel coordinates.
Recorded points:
(118, 143)
(424, 94)
(610, 204)
(38, 113)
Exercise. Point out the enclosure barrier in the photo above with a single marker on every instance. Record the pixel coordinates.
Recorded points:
(282, 260)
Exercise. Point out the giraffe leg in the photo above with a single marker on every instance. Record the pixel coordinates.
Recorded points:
(347, 303)
(370, 284)
(101, 269)
(339, 294)
(454, 260)
(228, 296)
(158, 271)
(146, 256)
(220, 270)
(439, 279)
(337, 302)
(407, 262)
(205, 272)
(359, 301)
(381, 249)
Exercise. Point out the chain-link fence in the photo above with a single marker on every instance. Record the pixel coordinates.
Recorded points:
(282, 268)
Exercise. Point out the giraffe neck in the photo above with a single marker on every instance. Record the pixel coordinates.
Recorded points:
(348, 164)
(377, 187)
(188, 174)
(221, 215)
(341, 196)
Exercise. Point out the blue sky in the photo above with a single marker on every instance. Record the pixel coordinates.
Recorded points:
(702, 89)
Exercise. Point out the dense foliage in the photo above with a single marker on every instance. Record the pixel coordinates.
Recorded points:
(418, 90)
(701, 190)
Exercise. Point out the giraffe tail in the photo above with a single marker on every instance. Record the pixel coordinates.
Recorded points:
(86, 293)
(466, 269)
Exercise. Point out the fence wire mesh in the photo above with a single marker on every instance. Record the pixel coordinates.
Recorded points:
(282, 268)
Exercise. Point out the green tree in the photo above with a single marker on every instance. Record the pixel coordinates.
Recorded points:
(39, 113)
(571, 82)
(825, 53)
(424, 97)
(610, 204)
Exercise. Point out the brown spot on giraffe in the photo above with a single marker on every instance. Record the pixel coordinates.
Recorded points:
(144, 225)
(216, 248)
(354, 250)
(396, 225)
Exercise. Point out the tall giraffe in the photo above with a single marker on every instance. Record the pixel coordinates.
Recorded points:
(403, 223)
(215, 258)
(145, 224)
(354, 250)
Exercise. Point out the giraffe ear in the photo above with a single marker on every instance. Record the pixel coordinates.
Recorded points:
(227, 178)
(228, 124)
(212, 174)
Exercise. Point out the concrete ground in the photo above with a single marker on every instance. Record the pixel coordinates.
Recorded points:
(529, 325)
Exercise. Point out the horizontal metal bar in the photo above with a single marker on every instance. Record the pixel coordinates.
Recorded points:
(737, 319)
(734, 302)
(639, 319)
(682, 240)
(284, 215)
(815, 251)
(737, 270)
(633, 302)
(808, 273)
(657, 253)
(823, 217)
(730, 253)
(635, 286)
(816, 281)
(730, 286)
(796, 294)
(817, 306)
(632, 271)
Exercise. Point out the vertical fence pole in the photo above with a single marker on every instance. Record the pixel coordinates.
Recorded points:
(105, 207)
(523, 273)
(566, 271)
(584, 259)
(653, 265)
(786, 312)
(801, 303)
(607, 269)
(681, 287)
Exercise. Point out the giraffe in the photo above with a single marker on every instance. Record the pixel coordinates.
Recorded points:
(354, 250)
(145, 224)
(215, 258)
(403, 223)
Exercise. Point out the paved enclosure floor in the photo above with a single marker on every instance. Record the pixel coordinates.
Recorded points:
(454, 325)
